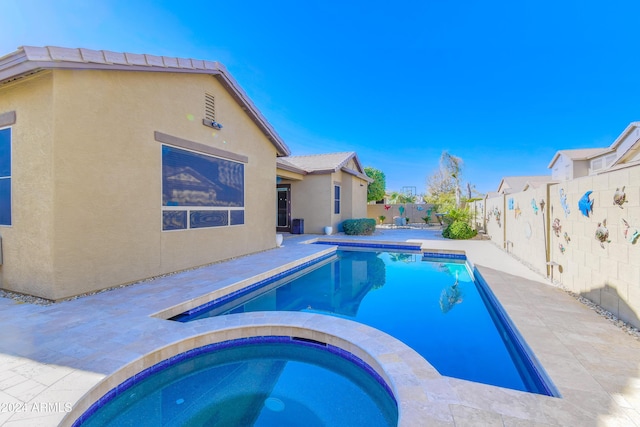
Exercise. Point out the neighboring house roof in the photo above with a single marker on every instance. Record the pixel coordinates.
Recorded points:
(316, 164)
(28, 60)
(515, 184)
(590, 153)
(622, 157)
(578, 154)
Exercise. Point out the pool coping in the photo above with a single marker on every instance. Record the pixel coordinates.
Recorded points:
(223, 292)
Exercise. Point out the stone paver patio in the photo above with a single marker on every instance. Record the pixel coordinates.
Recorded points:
(53, 358)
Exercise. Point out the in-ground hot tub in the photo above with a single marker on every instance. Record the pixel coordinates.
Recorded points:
(258, 381)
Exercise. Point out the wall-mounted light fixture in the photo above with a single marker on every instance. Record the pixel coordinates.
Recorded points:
(216, 125)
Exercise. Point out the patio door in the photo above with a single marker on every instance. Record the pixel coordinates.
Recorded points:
(283, 204)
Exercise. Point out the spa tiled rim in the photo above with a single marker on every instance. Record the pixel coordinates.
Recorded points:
(383, 354)
(238, 342)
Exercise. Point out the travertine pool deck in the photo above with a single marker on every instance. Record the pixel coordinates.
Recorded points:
(52, 356)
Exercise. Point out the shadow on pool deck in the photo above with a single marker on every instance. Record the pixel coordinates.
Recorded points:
(57, 353)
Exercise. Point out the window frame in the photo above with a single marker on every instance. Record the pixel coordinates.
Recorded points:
(336, 199)
(9, 177)
(193, 211)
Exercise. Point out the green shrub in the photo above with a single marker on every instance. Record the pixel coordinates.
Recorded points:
(457, 215)
(359, 226)
(459, 230)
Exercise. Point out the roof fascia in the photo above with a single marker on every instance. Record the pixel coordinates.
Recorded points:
(18, 64)
(555, 158)
(291, 168)
(623, 135)
(358, 174)
(602, 153)
(249, 107)
(322, 171)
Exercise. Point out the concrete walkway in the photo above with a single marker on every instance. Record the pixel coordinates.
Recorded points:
(53, 358)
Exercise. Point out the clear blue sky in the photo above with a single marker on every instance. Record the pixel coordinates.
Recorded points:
(503, 84)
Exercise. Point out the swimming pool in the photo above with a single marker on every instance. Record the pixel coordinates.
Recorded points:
(260, 381)
(434, 305)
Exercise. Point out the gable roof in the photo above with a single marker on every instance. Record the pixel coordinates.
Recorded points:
(578, 154)
(29, 60)
(590, 153)
(515, 184)
(317, 164)
(631, 150)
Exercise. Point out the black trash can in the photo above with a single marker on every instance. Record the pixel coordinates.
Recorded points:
(297, 226)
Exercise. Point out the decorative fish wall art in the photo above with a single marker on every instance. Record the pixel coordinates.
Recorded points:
(517, 211)
(534, 205)
(585, 204)
(564, 204)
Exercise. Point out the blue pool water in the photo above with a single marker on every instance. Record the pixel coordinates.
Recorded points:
(434, 306)
(270, 381)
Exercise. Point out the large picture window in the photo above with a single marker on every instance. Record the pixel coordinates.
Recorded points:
(5, 176)
(200, 191)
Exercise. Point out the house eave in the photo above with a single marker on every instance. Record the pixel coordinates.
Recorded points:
(289, 168)
(29, 59)
(358, 174)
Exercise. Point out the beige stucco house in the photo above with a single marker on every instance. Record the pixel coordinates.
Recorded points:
(623, 152)
(321, 190)
(115, 167)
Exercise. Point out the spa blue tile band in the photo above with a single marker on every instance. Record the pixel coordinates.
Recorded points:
(271, 339)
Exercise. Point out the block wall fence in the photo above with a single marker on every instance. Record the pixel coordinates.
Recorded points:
(414, 211)
(559, 241)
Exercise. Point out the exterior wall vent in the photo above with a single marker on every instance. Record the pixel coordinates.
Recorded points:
(209, 107)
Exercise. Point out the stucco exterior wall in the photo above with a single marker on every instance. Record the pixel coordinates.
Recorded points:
(580, 168)
(27, 244)
(358, 197)
(353, 198)
(312, 200)
(557, 171)
(106, 226)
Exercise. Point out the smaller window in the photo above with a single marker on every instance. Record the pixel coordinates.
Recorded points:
(596, 164)
(608, 161)
(5, 176)
(336, 199)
